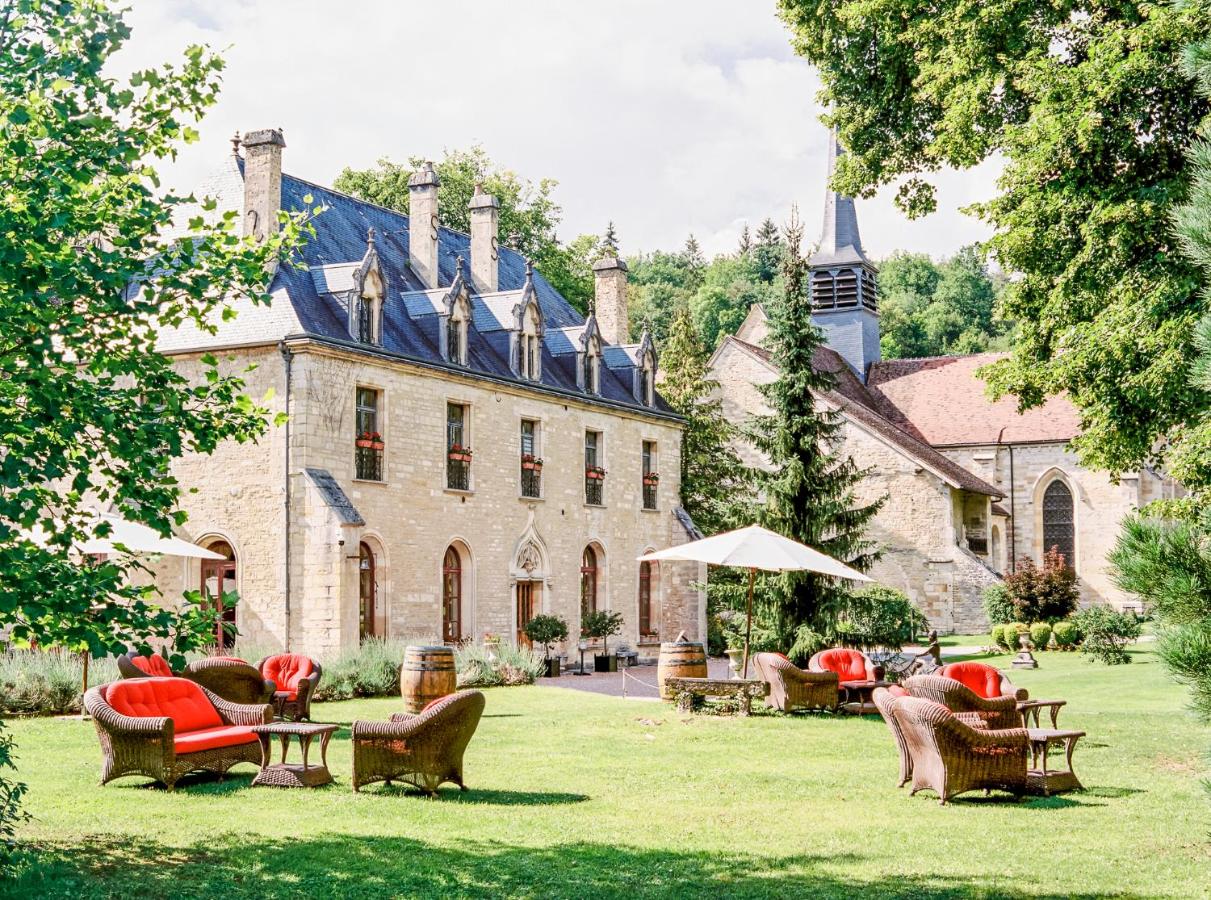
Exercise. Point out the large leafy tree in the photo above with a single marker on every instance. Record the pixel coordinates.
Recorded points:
(90, 269)
(1089, 106)
(809, 485)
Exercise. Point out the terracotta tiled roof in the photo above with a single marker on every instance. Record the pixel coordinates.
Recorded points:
(854, 401)
(944, 402)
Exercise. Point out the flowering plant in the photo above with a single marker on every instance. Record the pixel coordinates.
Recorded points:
(594, 472)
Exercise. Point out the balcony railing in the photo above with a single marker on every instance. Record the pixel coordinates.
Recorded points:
(369, 463)
(593, 491)
(649, 496)
(458, 475)
(531, 482)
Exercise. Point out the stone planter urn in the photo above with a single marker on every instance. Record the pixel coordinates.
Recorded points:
(735, 659)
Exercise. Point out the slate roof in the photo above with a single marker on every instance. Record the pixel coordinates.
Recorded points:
(840, 242)
(854, 401)
(304, 305)
(335, 497)
(943, 402)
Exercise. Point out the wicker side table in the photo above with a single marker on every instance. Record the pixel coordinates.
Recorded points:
(1039, 778)
(284, 774)
(1031, 711)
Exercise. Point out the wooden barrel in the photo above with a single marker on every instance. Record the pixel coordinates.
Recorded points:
(680, 659)
(427, 673)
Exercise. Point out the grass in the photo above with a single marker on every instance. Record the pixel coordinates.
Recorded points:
(577, 795)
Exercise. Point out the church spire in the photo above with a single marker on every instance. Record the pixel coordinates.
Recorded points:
(840, 242)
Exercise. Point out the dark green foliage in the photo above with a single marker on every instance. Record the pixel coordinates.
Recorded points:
(1106, 633)
(1042, 593)
(768, 252)
(545, 630)
(1089, 106)
(601, 624)
(997, 605)
(11, 792)
(878, 616)
(1005, 636)
(1040, 635)
(809, 489)
(1067, 635)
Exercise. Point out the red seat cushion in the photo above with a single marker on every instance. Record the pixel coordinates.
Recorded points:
(978, 677)
(211, 738)
(152, 665)
(177, 698)
(850, 665)
(286, 670)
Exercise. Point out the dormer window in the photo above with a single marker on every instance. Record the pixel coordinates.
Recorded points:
(529, 345)
(456, 334)
(645, 370)
(370, 310)
(647, 390)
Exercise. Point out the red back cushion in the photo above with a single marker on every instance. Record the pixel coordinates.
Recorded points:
(286, 670)
(177, 698)
(152, 665)
(850, 665)
(978, 677)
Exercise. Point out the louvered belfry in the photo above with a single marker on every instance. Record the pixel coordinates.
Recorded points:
(843, 282)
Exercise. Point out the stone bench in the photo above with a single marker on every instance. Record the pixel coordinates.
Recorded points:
(691, 692)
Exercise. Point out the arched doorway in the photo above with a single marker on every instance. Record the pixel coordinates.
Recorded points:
(452, 597)
(367, 591)
(1059, 522)
(589, 578)
(218, 579)
(647, 627)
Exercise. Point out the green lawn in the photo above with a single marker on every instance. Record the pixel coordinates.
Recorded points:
(575, 795)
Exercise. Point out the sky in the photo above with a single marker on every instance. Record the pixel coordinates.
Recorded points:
(668, 118)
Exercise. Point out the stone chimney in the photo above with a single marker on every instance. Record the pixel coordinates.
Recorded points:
(485, 222)
(262, 181)
(422, 224)
(610, 299)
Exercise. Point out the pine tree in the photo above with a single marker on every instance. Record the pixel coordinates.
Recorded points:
(746, 241)
(695, 263)
(713, 480)
(609, 243)
(809, 487)
(768, 249)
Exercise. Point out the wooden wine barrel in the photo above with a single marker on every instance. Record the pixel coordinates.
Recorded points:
(426, 674)
(680, 659)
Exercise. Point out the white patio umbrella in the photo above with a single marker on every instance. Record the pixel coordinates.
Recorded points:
(139, 538)
(755, 548)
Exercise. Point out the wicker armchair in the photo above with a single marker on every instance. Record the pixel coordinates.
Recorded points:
(424, 749)
(136, 665)
(983, 679)
(295, 678)
(885, 701)
(232, 679)
(950, 757)
(850, 665)
(793, 688)
(195, 731)
(997, 712)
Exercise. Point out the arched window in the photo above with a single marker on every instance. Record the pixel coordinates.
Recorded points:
(588, 582)
(218, 578)
(645, 600)
(1059, 522)
(452, 597)
(367, 591)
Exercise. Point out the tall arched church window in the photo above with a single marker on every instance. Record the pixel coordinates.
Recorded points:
(1059, 522)
(452, 597)
(645, 599)
(588, 582)
(367, 591)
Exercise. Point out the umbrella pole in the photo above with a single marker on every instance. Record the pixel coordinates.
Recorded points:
(748, 622)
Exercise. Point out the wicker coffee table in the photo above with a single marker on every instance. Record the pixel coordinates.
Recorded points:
(1039, 778)
(1031, 711)
(284, 774)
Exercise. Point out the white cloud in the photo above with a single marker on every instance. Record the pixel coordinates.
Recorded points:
(669, 118)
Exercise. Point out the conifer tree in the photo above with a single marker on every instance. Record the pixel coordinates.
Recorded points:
(746, 241)
(768, 249)
(695, 263)
(713, 480)
(609, 243)
(809, 487)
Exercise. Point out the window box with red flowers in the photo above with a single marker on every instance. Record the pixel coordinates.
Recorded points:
(370, 440)
(651, 479)
(459, 453)
(594, 473)
(531, 463)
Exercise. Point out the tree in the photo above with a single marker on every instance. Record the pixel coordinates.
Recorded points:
(745, 247)
(769, 251)
(713, 479)
(809, 486)
(695, 263)
(609, 243)
(1090, 108)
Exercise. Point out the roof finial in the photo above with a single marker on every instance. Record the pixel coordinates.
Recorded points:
(370, 238)
(529, 269)
(235, 143)
(592, 306)
(458, 266)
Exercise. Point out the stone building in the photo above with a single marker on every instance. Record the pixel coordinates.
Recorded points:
(973, 486)
(463, 449)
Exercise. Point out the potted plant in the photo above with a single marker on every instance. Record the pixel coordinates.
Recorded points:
(597, 473)
(546, 630)
(370, 440)
(531, 462)
(651, 478)
(602, 624)
(459, 453)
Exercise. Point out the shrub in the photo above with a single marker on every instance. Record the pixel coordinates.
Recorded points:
(506, 665)
(42, 682)
(545, 630)
(1040, 635)
(1006, 636)
(1107, 633)
(997, 605)
(368, 670)
(878, 616)
(601, 624)
(1043, 594)
(11, 792)
(1067, 635)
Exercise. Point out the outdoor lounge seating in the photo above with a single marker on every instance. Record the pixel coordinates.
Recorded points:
(857, 673)
(166, 727)
(950, 757)
(792, 688)
(995, 712)
(424, 749)
(135, 665)
(232, 679)
(884, 700)
(983, 679)
(295, 678)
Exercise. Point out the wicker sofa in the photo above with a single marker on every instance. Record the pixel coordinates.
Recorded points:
(792, 688)
(164, 728)
(950, 757)
(423, 749)
(295, 678)
(983, 679)
(232, 679)
(995, 712)
(136, 665)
